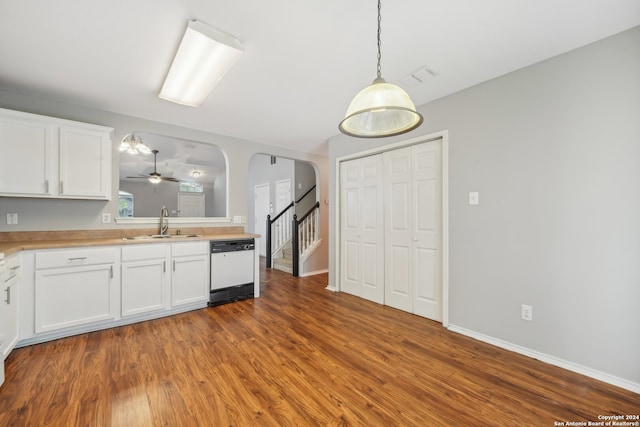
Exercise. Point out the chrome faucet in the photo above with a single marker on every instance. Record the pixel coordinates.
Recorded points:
(164, 222)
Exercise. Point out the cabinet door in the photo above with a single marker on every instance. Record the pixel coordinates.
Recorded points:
(26, 160)
(190, 279)
(4, 321)
(72, 296)
(9, 317)
(85, 163)
(143, 286)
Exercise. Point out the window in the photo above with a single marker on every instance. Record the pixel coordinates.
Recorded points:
(191, 187)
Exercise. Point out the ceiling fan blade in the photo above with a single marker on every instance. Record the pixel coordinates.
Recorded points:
(139, 177)
(169, 179)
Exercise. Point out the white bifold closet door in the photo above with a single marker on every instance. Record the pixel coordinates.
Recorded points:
(362, 228)
(413, 229)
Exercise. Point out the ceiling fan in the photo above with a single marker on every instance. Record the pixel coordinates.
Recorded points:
(154, 177)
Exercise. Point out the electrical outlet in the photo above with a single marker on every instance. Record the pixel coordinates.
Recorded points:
(527, 312)
(237, 219)
(244, 219)
(12, 218)
(106, 218)
(474, 198)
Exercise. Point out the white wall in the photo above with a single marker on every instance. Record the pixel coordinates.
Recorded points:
(261, 171)
(305, 178)
(554, 151)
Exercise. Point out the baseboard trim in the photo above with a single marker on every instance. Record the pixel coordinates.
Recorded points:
(570, 366)
(313, 273)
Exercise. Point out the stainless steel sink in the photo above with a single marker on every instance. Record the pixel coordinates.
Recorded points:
(161, 236)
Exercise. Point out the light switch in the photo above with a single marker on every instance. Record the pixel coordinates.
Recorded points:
(474, 198)
(106, 218)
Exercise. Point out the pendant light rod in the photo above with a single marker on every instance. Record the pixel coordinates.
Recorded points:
(379, 69)
(381, 109)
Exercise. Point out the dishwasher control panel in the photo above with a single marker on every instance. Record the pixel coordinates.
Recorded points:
(218, 246)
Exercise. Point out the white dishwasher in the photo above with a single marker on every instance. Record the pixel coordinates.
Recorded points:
(232, 275)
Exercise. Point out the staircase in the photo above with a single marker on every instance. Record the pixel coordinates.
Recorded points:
(283, 260)
(289, 240)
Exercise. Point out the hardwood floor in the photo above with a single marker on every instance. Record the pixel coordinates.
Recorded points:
(298, 356)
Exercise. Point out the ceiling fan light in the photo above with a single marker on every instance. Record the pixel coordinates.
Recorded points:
(124, 146)
(154, 179)
(203, 58)
(381, 109)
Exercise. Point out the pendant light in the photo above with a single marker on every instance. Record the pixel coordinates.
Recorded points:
(381, 109)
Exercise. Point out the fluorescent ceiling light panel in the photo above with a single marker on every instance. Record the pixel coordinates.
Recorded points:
(204, 57)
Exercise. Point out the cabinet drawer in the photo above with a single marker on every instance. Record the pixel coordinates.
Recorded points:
(142, 252)
(190, 249)
(75, 257)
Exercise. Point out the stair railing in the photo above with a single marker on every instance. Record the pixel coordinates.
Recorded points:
(305, 235)
(282, 234)
(305, 194)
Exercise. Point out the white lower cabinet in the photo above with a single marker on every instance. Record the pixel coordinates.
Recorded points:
(144, 279)
(70, 291)
(75, 287)
(189, 273)
(10, 281)
(9, 303)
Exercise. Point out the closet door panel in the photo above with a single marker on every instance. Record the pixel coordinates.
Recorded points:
(350, 226)
(372, 231)
(362, 232)
(426, 233)
(398, 212)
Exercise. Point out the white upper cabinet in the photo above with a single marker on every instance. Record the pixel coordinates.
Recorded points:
(26, 163)
(48, 157)
(85, 163)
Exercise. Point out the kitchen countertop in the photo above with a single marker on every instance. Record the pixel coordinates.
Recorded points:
(74, 239)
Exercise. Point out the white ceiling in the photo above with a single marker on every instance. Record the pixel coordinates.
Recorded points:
(303, 60)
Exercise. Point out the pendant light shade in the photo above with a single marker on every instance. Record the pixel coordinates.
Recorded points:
(381, 109)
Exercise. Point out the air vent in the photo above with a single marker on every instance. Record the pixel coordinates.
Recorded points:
(418, 77)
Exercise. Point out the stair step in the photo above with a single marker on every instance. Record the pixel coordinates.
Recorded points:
(283, 261)
(283, 264)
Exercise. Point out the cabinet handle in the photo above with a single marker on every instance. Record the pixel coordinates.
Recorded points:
(164, 266)
(174, 265)
(61, 188)
(111, 271)
(46, 186)
(79, 258)
(8, 291)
